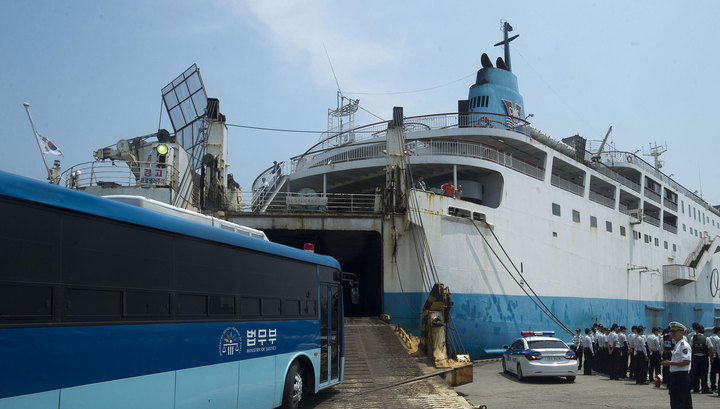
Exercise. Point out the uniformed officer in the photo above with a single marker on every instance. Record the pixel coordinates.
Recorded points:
(679, 383)
(641, 357)
(623, 351)
(654, 344)
(587, 346)
(715, 360)
(631, 342)
(614, 346)
(701, 346)
(578, 348)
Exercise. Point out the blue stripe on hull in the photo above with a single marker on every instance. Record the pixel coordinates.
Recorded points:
(42, 359)
(487, 321)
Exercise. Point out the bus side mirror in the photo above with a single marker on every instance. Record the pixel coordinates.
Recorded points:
(355, 295)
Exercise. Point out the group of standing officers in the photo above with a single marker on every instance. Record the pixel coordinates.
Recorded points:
(685, 360)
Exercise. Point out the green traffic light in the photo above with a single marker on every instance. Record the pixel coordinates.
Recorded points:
(162, 149)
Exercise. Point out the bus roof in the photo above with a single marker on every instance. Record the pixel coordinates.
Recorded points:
(24, 188)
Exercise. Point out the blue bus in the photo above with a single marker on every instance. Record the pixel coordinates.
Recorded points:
(103, 304)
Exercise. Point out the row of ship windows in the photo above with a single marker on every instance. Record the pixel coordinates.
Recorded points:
(698, 215)
(609, 227)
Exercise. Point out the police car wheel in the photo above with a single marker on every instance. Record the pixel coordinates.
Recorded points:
(519, 373)
(504, 366)
(570, 379)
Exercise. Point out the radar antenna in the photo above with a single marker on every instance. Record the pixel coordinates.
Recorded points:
(343, 117)
(506, 27)
(655, 152)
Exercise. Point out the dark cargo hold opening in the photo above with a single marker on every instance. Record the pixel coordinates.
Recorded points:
(358, 252)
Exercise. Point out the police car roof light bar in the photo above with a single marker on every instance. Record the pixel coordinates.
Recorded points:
(538, 333)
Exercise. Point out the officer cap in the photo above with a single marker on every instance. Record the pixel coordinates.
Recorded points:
(676, 326)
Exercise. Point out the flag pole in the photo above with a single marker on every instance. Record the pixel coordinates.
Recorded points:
(37, 139)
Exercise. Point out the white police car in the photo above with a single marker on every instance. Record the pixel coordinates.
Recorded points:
(539, 353)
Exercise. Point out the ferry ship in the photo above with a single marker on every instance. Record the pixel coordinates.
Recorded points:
(541, 233)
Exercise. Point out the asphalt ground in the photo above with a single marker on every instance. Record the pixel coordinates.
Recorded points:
(494, 389)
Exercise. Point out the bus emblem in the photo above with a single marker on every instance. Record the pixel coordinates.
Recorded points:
(230, 342)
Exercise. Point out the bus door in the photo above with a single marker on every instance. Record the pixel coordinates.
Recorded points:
(330, 333)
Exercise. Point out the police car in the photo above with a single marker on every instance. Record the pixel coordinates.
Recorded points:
(539, 353)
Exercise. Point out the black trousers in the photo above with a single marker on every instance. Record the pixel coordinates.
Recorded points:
(699, 372)
(632, 365)
(654, 368)
(588, 361)
(679, 390)
(615, 364)
(579, 353)
(640, 368)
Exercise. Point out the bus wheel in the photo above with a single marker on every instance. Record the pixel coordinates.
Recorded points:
(292, 392)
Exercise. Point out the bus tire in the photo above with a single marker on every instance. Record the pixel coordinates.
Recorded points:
(293, 389)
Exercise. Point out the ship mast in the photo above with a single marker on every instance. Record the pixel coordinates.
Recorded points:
(655, 152)
(506, 27)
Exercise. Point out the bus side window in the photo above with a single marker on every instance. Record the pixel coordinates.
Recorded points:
(249, 307)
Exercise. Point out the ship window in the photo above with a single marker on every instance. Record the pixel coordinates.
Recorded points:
(666, 245)
(647, 239)
(682, 206)
(593, 221)
(556, 209)
(622, 230)
(674, 247)
(576, 216)
(608, 226)
(657, 242)
(684, 227)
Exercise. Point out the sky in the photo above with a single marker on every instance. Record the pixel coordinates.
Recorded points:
(92, 71)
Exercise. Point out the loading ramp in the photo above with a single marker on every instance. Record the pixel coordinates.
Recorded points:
(377, 371)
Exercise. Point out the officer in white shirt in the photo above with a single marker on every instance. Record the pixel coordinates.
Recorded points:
(578, 348)
(679, 383)
(614, 352)
(586, 344)
(631, 344)
(641, 357)
(654, 345)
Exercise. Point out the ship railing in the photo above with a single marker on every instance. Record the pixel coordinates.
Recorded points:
(651, 219)
(562, 183)
(621, 156)
(411, 124)
(670, 204)
(602, 199)
(428, 148)
(272, 175)
(355, 152)
(474, 150)
(603, 169)
(650, 194)
(328, 203)
(109, 174)
(669, 227)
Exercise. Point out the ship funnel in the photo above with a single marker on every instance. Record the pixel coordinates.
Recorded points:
(485, 61)
(501, 64)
